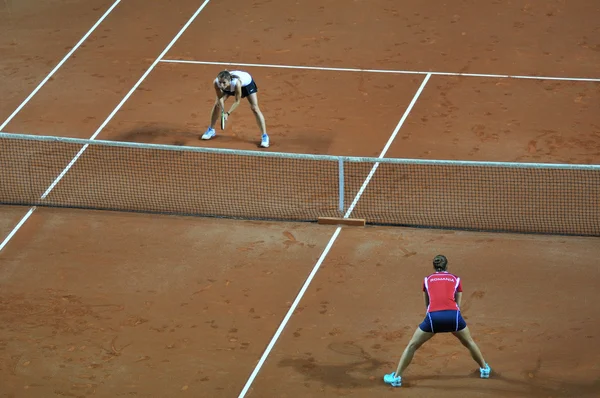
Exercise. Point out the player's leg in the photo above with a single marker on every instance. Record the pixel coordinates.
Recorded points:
(258, 115)
(418, 339)
(464, 336)
(215, 113)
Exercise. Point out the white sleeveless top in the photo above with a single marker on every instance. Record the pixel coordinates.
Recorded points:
(244, 77)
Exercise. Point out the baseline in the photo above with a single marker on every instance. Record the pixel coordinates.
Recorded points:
(405, 72)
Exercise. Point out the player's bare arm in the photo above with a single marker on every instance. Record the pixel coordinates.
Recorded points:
(458, 298)
(220, 96)
(238, 97)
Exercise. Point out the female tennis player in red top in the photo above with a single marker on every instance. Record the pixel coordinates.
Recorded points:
(443, 293)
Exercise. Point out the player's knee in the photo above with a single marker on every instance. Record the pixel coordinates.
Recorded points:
(466, 343)
(255, 109)
(472, 345)
(414, 345)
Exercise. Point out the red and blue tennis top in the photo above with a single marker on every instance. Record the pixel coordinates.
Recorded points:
(441, 288)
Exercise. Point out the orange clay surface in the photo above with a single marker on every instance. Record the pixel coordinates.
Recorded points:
(101, 304)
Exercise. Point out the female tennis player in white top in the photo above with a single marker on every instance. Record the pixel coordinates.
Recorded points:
(237, 84)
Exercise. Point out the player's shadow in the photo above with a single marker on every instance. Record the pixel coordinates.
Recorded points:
(356, 374)
(176, 135)
(364, 371)
(533, 387)
(158, 134)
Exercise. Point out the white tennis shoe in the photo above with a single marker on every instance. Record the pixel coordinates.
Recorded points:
(210, 133)
(264, 142)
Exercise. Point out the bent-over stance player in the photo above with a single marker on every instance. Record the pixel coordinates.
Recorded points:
(237, 84)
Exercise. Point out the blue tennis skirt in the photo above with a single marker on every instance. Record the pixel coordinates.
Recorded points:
(443, 322)
(246, 90)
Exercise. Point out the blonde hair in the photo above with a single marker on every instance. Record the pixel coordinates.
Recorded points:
(225, 74)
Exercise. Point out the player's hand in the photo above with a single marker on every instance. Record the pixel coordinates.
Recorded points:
(225, 115)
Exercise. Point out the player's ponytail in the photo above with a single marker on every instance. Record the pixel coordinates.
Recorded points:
(440, 263)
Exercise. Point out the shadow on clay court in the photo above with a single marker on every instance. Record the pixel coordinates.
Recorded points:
(367, 372)
(535, 387)
(176, 135)
(359, 373)
(356, 374)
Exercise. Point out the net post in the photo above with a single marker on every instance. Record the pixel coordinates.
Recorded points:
(341, 184)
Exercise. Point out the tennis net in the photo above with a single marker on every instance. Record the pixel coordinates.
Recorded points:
(168, 179)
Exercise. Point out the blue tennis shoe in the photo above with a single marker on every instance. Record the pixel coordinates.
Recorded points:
(392, 379)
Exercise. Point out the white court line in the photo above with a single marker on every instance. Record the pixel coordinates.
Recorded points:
(403, 72)
(16, 228)
(387, 146)
(108, 119)
(53, 71)
(283, 324)
(287, 317)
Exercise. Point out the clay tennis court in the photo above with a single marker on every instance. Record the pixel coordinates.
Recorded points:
(111, 304)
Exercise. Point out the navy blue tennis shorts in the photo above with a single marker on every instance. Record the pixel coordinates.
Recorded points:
(246, 90)
(443, 322)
